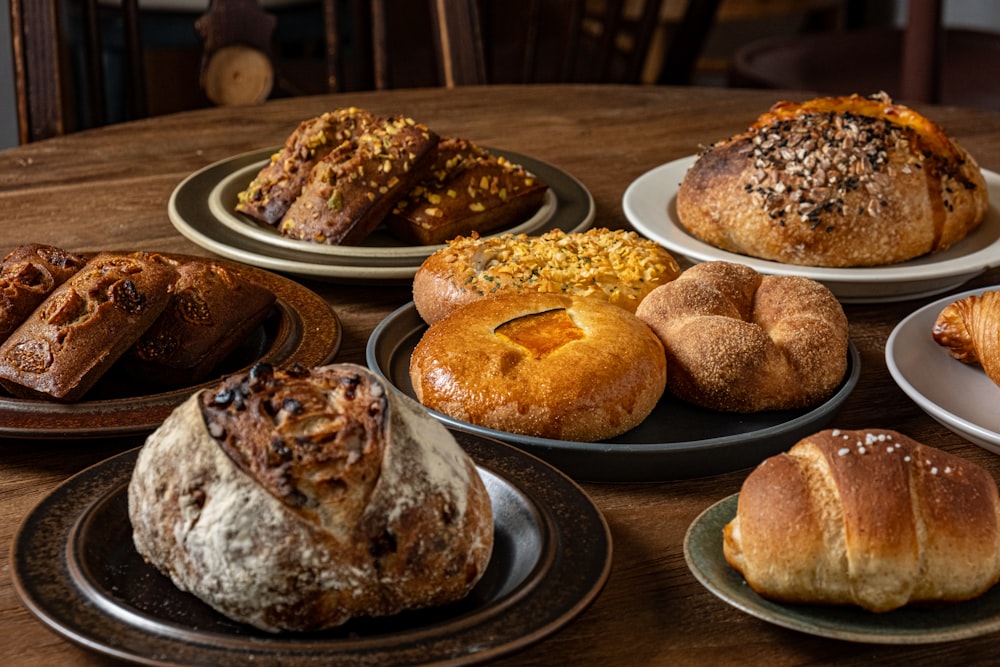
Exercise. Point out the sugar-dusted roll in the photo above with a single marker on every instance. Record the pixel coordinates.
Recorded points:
(298, 499)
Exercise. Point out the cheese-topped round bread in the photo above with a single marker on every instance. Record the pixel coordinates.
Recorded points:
(298, 499)
(544, 365)
(837, 182)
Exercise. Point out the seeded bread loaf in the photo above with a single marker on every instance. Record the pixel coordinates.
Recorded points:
(84, 326)
(298, 499)
(869, 518)
(210, 312)
(616, 266)
(28, 274)
(468, 189)
(350, 191)
(836, 182)
(543, 365)
(279, 183)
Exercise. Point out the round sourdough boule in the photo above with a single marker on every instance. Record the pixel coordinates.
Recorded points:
(298, 499)
(836, 182)
(543, 365)
(617, 266)
(740, 341)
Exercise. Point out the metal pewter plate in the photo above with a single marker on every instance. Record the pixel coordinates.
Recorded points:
(650, 206)
(676, 441)
(907, 625)
(75, 568)
(200, 209)
(302, 328)
(959, 396)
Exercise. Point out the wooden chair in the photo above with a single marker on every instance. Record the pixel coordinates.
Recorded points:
(46, 98)
(528, 41)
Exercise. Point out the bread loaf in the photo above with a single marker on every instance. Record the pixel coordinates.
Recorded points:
(280, 182)
(740, 341)
(298, 499)
(84, 326)
(28, 274)
(468, 189)
(617, 266)
(211, 310)
(869, 518)
(350, 191)
(836, 182)
(543, 365)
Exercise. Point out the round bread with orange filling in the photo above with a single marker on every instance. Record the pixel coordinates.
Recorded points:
(543, 365)
(836, 182)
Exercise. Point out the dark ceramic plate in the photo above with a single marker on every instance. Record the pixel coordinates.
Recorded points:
(74, 567)
(200, 208)
(302, 328)
(908, 625)
(676, 441)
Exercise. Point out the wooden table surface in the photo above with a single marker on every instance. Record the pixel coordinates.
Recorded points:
(108, 189)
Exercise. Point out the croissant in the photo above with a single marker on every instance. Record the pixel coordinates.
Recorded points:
(970, 330)
(870, 518)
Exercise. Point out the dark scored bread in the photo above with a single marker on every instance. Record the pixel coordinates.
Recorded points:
(84, 326)
(298, 499)
(28, 275)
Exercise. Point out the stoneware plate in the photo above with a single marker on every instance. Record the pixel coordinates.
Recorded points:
(302, 328)
(959, 396)
(650, 206)
(200, 209)
(676, 441)
(908, 625)
(74, 567)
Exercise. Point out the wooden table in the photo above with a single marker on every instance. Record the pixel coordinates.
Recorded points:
(109, 189)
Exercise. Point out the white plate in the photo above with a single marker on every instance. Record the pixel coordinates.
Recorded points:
(959, 396)
(200, 209)
(650, 206)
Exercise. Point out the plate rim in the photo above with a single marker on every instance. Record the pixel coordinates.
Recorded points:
(696, 250)
(958, 424)
(790, 616)
(544, 485)
(213, 235)
(320, 336)
(538, 445)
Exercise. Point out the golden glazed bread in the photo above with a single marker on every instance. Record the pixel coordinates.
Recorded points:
(468, 189)
(544, 365)
(298, 499)
(617, 266)
(740, 341)
(869, 518)
(969, 329)
(836, 182)
(28, 274)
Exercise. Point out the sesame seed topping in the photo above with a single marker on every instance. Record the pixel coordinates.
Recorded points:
(843, 451)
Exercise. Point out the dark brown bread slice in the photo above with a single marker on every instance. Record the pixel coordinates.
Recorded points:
(87, 323)
(28, 274)
(277, 185)
(355, 187)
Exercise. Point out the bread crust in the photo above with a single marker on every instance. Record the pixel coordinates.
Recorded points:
(586, 371)
(740, 341)
(327, 496)
(28, 274)
(870, 518)
(614, 265)
(836, 182)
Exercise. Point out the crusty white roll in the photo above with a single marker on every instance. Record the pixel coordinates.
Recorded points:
(298, 499)
(544, 365)
(740, 341)
(617, 266)
(835, 181)
(870, 518)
